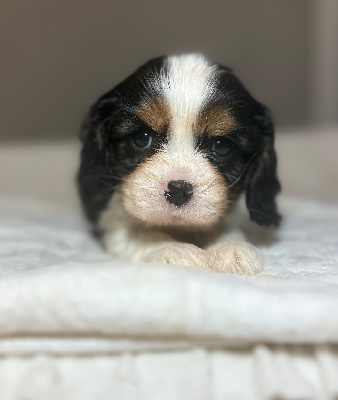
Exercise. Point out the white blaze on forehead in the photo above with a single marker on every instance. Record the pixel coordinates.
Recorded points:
(187, 86)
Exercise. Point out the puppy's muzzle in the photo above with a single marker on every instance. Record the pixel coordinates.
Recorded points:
(179, 192)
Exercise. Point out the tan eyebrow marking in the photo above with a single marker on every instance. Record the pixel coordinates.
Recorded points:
(214, 121)
(155, 113)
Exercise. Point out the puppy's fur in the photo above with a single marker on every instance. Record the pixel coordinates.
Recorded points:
(165, 155)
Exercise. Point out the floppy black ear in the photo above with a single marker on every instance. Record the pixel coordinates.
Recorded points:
(95, 156)
(262, 184)
(98, 113)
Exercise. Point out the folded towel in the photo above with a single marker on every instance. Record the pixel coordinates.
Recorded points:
(57, 281)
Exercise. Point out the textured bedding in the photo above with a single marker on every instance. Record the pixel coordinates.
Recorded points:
(76, 324)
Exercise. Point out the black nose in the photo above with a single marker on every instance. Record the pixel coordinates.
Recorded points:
(179, 192)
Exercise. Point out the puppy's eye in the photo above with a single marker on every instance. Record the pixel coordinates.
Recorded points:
(221, 147)
(142, 139)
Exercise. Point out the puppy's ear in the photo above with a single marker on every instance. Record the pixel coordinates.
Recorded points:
(262, 185)
(98, 114)
(93, 157)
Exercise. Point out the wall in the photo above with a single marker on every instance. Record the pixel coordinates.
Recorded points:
(59, 56)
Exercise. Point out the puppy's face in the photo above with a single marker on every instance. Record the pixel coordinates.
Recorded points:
(178, 140)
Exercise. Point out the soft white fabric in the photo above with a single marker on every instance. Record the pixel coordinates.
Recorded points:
(166, 332)
(258, 373)
(84, 290)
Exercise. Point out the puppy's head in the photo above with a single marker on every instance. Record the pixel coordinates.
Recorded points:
(179, 140)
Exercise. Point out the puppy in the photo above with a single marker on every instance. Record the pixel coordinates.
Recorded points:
(165, 155)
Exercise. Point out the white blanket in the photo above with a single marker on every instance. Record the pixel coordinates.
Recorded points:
(62, 295)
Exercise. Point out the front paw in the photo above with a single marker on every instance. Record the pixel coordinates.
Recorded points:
(237, 258)
(178, 253)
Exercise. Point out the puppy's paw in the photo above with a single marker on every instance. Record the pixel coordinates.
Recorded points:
(235, 257)
(178, 253)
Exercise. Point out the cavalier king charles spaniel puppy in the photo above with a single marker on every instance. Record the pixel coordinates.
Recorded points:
(165, 155)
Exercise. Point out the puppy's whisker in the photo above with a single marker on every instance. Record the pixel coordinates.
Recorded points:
(149, 187)
(111, 177)
(206, 188)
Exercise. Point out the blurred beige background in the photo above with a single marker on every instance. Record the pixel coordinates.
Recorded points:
(57, 57)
